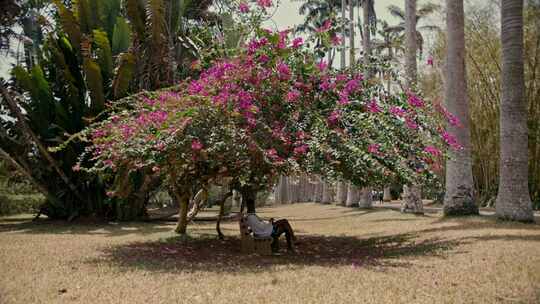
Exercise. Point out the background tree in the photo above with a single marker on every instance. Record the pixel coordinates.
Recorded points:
(459, 195)
(412, 197)
(422, 13)
(513, 200)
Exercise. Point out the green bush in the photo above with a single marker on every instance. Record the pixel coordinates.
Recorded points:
(20, 203)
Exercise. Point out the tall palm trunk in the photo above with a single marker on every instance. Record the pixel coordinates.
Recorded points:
(410, 40)
(352, 196)
(341, 193)
(513, 199)
(459, 195)
(366, 41)
(343, 51)
(366, 198)
(351, 29)
(412, 199)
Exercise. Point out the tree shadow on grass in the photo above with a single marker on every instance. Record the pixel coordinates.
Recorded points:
(206, 253)
(478, 223)
(111, 229)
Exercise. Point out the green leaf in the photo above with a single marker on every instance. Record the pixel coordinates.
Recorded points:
(136, 15)
(94, 82)
(104, 54)
(69, 23)
(121, 38)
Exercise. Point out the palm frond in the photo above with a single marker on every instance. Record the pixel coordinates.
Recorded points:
(121, 37)
(104, 53)
(396, 11)
(69, 24)
(94, 82)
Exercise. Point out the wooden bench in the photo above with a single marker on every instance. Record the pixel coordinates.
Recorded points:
(251, 243)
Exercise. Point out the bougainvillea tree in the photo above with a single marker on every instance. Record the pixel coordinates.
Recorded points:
(272, 109)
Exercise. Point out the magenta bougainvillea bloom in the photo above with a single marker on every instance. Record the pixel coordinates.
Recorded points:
(334, 117)
(432, 150)
(397, 111)
(336, 40)
(264, 3)
(374, 149)
(327, 24)
(374, 107)
(297, 42)
(196, 145)
(243, 7)
(414, 100)
(293, 95)
(430, 60)
(301, 149)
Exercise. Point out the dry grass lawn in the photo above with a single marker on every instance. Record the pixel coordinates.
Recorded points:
(344, 256)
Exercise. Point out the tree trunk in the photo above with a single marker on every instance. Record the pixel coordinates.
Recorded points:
(341, 196)
(248, 198)
(410, 39)
(183, 200)
(328, 193)
(222, 211)
(412, 200)
(343, 50)
(387, 195)
(366, 198)
(352, 196)
(351, 29)
(236, 199)
(367, 35)
(513, 200)
(459, 194)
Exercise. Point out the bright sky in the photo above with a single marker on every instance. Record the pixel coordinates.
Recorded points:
(287, 15)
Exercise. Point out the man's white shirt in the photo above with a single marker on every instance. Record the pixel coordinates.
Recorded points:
(259, 227)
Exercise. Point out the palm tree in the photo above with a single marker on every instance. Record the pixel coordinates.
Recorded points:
(412, 198)
(369, 27)
(513, 199)
(423, 12)
(343, 32)
(317, 13)
(459, 195)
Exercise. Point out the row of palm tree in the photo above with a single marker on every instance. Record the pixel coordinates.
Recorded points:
(513, 201)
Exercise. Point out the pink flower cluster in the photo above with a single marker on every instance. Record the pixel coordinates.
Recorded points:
(375, 149)
(374, 107)
(243, 7)
(327, 24)
(264, 3)
(414, 100)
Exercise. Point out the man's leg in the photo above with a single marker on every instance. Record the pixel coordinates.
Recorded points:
(283, 226)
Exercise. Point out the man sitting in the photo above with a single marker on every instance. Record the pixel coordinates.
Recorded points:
(261, 228)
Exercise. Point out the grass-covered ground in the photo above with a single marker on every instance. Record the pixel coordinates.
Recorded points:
(343, 256)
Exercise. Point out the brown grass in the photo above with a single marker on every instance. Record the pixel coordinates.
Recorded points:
(344, 256)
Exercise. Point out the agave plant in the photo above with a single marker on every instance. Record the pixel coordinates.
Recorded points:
(64, 89)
